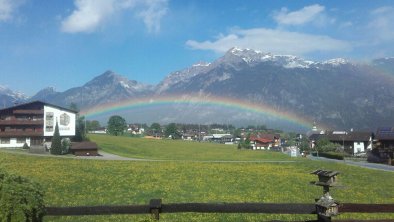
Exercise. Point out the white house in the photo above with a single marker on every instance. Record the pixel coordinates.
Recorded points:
(34, 123)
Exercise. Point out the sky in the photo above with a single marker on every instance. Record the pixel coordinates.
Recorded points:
(64, 44)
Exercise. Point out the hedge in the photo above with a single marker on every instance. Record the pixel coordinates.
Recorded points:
(20, 199)
(330, 155)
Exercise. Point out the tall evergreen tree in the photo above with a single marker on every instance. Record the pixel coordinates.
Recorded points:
(56, 147)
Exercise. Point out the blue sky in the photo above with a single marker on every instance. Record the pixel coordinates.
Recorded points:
(66, 43)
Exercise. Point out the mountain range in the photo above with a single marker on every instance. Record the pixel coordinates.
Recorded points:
(336, 93)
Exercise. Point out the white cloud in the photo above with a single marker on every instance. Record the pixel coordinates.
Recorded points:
(7, 8)
(300, 17)
(91, 14)
(272, 40)
(381, 25)
(88, 15)
(155, 10)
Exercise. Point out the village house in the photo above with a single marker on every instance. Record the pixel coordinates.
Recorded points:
(34, 123)
(135, 129)
(220, 138)
(262, 141)
(352, 142)
(384, 139)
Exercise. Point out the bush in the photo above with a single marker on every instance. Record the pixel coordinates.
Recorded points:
(20, 199)
(25, 146)
(330, 155)
(66, 145)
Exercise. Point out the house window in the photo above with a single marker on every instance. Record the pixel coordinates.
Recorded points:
(49, 122)
(5, 141)
(21, 140)
(358, 143)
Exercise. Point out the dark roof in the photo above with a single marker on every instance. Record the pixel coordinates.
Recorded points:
(40, 103)
(385, 133)
(84, 146)
(350, 136)
(315, 136)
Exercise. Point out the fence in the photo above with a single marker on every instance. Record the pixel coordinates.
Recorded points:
(324, 208)
(156, 207)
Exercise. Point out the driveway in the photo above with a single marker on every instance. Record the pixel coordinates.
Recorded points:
(374, 166)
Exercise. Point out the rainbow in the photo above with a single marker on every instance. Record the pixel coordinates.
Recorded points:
(230, 103)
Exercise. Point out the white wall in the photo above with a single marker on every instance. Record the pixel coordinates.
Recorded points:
(65, 120)
(358, 147)
(13, 143)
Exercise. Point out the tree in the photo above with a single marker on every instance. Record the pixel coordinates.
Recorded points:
(80, 126)
(116, 125)
(324, 145)
(80, 131)
(246, 143)
(92, 125)
(172, 131)
(74, 106)
(56, 147)
(304, 144)
(155, 128)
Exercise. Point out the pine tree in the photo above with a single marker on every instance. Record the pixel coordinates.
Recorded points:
(56, 147)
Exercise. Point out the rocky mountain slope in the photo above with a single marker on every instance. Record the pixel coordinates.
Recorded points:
(107, 87)
(10, 98)
(337, 93)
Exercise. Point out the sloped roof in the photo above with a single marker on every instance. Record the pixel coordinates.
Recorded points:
(38, 103)
(350, 136)
(315, 136)
(262, 140)
(84, 146)
(268, 136)
(385, 133)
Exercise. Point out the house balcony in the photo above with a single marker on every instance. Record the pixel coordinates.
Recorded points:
(22, 122)
(21, 133)
(29, 111)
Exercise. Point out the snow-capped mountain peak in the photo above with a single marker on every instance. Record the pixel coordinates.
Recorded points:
(201, 64)
(335, 62)
(253, 57)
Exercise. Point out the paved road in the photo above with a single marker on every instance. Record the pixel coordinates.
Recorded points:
(374, 166)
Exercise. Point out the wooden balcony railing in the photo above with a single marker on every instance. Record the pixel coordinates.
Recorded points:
(28, 111)
(21, 133)
(21, 122)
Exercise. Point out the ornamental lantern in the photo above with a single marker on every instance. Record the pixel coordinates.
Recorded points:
(326, 206)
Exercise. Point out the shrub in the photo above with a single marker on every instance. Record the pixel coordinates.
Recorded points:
(330, 155)
(65, 145)
(20, 199)
(25, 146)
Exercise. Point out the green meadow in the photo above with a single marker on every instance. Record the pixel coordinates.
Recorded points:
(76, 181)
(156, 149)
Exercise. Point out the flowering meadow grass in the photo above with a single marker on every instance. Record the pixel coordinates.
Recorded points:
(76, 182)
(178, 150)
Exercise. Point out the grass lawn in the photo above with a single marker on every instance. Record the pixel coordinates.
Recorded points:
(73, 182)
(178, 150)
